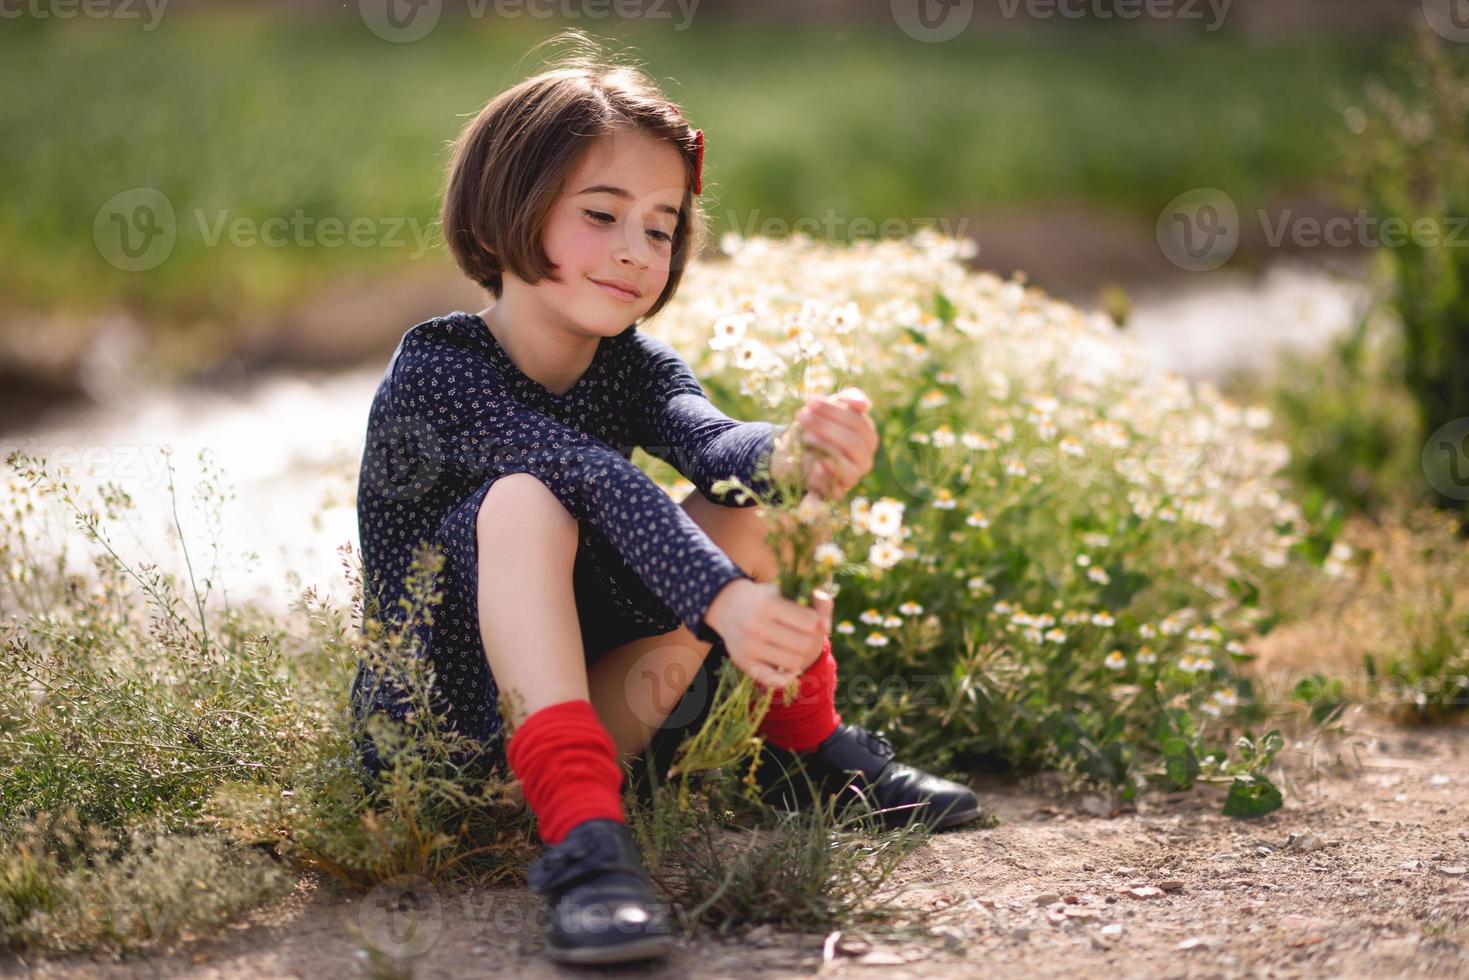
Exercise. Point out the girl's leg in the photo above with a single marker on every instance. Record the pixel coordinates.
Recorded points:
(603, 908)
(635, 686)
(562, 756)
(527, 549)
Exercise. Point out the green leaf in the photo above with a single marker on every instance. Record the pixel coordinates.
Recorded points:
(1180, 762)
(1252, 796)
(1272, 743)
(943, 307)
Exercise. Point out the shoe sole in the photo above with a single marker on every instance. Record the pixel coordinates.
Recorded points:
(950, 818)
(953, 819)
(637, 949)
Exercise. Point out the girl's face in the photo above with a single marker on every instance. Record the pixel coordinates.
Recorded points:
(612, 226)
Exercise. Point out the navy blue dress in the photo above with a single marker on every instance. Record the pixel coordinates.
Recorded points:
(453, 414)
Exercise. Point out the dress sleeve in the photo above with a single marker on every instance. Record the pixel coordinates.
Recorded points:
(681, 426)
(459, 397)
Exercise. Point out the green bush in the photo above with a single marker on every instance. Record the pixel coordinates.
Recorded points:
(1348, 418)
(1083, 546)
(1406, 161)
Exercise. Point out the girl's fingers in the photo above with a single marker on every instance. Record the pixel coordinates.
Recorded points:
(822, 602)
(839, 454)
(824, 479)
(787, 658)
(794, 622)
(768, 677)
(840, 439)
(860, 424)
(790, 659)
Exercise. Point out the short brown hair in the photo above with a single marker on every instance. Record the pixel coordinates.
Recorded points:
(511, 161)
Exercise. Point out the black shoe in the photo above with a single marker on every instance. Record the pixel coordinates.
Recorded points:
(855, 765)
(603, 908)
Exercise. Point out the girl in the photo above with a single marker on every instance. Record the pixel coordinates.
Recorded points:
(572, 583)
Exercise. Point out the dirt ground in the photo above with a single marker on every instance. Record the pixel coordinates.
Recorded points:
(1374, 886)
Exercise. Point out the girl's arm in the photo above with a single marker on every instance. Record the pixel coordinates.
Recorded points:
(682, 427)
(482, 431)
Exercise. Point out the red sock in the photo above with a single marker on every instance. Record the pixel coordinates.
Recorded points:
(567, 767)
(804, 722)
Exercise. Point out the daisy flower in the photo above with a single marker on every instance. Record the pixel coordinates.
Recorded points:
(729, 330)
(811, 509)
(828, 556)
(884, 554)
(885, 519)
(933, 398)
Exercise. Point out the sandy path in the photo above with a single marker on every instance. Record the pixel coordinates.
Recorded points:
(1381, 892)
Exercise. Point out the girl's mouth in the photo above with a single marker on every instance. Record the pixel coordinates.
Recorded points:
(626, 295)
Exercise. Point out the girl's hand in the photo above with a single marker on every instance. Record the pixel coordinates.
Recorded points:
(770, 637)
(843, 436)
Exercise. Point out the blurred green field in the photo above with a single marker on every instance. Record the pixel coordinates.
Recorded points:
(254, 117)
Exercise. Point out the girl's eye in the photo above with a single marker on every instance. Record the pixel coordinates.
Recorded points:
(603, 218)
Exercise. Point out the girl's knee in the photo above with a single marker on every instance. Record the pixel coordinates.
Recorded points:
(738, 531)
(520, 505)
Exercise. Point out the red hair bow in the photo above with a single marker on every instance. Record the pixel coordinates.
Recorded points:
(698, 161)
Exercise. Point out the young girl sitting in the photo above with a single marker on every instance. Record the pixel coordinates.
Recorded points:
(504, 438)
